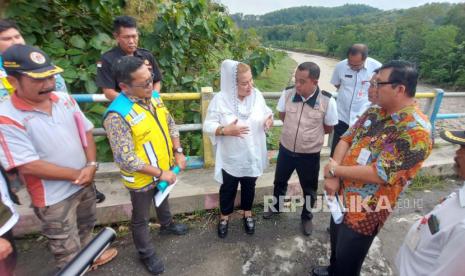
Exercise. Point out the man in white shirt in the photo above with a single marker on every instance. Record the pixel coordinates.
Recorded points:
(352, 77)
(435, 244)
(307, 114)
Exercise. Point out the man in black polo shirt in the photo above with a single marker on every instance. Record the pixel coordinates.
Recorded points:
(127, 37)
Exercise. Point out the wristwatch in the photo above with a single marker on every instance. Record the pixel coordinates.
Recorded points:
(93, 163)
(178, 150)
(222, 131)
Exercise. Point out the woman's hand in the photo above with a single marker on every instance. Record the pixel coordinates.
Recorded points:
(233, 129)
(268, 122)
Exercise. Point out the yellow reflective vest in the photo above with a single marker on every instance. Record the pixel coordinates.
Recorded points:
(5, 86)
(150, 133)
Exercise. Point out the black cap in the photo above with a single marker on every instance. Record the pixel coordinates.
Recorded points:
(30, 61)
(455, 137)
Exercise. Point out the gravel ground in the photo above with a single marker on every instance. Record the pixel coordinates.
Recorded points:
(278, 248)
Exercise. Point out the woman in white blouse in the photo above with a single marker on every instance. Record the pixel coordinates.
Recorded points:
(236, 122)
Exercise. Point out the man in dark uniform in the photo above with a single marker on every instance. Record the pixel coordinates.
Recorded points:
(127, 37)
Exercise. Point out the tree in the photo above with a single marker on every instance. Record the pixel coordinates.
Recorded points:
(75, 41)
(312, 40)
(436, 63)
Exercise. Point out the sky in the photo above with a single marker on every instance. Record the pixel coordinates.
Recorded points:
(264, 6)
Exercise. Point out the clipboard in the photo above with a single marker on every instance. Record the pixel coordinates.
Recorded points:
(81, 129)
(160, 196)
(335, 208)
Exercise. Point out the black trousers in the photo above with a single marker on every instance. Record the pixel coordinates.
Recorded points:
(339, 130)
(348, 250)
(228, 192)
(307, 166)
(141, 204)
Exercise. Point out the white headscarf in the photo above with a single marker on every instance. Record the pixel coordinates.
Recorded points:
(229, 90)
(246, 156)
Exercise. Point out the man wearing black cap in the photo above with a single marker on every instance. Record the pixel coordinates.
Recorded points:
(10, 35)
(435, 244)
(127, 36)
(40, 136)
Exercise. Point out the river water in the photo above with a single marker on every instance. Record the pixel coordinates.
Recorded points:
(449, 105)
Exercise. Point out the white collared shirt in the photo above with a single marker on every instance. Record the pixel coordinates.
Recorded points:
(330, 119)
(352, 97)
(441, 253)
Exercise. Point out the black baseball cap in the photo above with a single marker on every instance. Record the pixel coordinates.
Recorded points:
(29, 61)
(455, 137)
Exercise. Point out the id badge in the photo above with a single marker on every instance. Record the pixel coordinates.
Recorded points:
(363, 157)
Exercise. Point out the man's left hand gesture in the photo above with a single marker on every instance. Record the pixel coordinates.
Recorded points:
(268, 123)
(180, 160)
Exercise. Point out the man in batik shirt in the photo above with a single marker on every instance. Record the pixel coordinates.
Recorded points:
(374, 161)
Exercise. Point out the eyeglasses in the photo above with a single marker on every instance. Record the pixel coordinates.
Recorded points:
(148, 84)
(377, 84)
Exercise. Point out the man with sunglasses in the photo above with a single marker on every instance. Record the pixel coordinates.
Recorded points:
(145, 143)
(351, 77)
(127, 36)
(373, 162)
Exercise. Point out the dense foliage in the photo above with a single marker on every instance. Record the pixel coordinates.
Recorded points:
(189, 38)
(75, 34)
(432, 36)
(298, 15)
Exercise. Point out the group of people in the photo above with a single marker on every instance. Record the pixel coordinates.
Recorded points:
(380, 140)
(46, 138)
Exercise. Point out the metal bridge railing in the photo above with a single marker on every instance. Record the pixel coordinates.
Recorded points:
(431, 109)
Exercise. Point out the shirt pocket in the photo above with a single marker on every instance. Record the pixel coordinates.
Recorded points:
(292, 108)
(348, 80)
(314, 120)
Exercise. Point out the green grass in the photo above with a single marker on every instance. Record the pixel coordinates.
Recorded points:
(423, 181)
(277, 78)
(272, 138)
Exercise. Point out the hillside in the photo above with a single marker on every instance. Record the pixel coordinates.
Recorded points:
(432, 35)
(298, 15)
